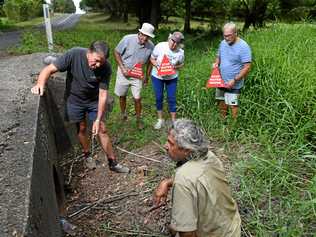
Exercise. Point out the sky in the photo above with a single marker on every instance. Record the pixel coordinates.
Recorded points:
(76, 2)
(78, 10)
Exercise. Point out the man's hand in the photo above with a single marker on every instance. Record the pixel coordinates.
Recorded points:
(96, 127)
(161, 192)
(124, 71)
(38, 89)
(231, 83)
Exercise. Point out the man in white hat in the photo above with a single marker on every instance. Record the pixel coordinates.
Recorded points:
(132, 54)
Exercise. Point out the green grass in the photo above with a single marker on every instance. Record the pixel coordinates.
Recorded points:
(271, 146)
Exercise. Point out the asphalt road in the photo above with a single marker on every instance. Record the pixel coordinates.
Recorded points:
(8, 39)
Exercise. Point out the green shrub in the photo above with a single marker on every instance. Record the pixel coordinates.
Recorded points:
(22, 10)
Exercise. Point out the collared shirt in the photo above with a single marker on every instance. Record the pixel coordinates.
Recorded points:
(132, 52)
(201, 200)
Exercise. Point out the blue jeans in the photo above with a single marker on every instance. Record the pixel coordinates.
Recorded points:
(171, 87)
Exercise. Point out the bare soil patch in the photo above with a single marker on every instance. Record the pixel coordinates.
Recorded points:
(112, 204)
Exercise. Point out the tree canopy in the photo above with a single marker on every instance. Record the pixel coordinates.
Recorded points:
(252, 12)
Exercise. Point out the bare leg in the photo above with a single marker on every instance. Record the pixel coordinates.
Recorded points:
(123, 106)
(173, 116)
(159, 113)
(234, 111)
(82, 136)
(138, 107)
(223, 108)
(105, 142)
(138, 110)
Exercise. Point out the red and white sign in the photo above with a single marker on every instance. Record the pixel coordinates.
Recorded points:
(166, 69)
(136, 71)
(215, 80)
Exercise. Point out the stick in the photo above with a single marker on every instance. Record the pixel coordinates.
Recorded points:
(105, 200)
(72, 160)
(140, 156)
(156, 207)
(70, 172)
(161, 147)
(132, 232)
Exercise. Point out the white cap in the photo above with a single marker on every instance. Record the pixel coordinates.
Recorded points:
(147, 29)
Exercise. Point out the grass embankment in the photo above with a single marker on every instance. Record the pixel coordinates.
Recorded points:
(271, 146)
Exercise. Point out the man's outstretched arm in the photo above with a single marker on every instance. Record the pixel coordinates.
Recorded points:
(43, 77)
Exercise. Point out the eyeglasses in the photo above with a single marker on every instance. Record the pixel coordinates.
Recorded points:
(174, 41)
(229, 35)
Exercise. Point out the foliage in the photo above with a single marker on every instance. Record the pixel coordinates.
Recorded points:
(64, 6)
(252, 12)
(21, 10)
(272, 145)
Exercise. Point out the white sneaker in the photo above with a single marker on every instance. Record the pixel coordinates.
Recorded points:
(159, 124)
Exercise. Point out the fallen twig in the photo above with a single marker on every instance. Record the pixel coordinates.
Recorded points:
(103, 200)
(140, 156)
(77, 158)
(156, 207)
(131, 232)
(160, 147)
(70, 173)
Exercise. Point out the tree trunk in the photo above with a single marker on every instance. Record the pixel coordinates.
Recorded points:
(187, 27)
(155, 13)
(125, 11)
(144, 10)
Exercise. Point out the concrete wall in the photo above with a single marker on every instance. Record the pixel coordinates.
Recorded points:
(33, 137)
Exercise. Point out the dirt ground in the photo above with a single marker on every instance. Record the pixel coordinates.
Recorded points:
(118, 204)
(103, 203)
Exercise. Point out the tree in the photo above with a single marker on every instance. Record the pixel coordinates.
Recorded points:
(64, 6)
(187, 18)
(22, 10)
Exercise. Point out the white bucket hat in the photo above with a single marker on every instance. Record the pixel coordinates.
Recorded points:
(147, 29)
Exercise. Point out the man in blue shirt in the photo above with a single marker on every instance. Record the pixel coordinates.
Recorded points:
(234, 61)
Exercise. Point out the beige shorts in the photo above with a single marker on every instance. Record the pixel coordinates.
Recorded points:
(229, 98)
(122, 84)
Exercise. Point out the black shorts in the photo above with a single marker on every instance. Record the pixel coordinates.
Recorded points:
(76, 113)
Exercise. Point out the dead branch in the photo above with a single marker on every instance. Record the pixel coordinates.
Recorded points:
(160, 147)
(103, 200)
(131, 232)
(70, 173)
(140, 156)
(156, 207)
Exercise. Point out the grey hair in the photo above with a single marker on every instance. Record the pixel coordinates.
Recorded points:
(230, 25)
(189, 136)
(100, 47)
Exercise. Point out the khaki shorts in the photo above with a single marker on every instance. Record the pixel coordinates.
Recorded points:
(122, 84)
(229, 96)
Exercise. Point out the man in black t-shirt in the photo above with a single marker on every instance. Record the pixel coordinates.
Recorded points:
(87, 84)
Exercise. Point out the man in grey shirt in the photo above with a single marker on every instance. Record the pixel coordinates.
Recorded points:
(131, 54)
(88, 77)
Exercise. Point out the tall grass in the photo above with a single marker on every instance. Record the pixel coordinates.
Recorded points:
(276, 183)
(274, 164)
